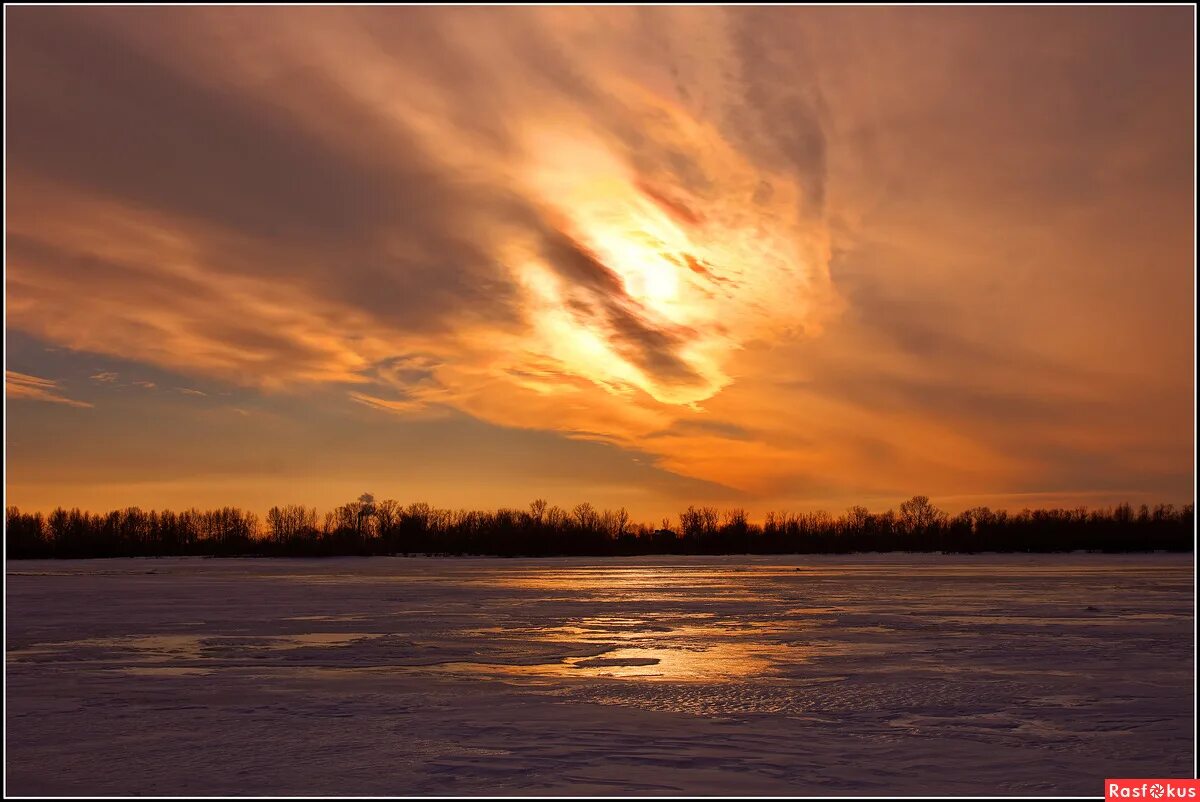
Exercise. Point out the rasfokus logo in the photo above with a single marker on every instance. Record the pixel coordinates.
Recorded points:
(1152, 789)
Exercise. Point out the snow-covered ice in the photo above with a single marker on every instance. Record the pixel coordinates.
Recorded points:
(872, 674)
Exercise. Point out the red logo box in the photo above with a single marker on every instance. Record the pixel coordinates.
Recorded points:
(1152, 790)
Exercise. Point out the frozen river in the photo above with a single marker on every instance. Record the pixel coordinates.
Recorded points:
(875, 674)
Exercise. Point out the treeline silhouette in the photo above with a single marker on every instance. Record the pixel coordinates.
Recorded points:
(370, 527)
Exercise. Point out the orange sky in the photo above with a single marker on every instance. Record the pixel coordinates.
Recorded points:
(782, 258)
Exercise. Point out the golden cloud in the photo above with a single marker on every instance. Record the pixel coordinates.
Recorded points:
(743, 241)
(34, 388)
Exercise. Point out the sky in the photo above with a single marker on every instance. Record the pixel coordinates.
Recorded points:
(776, 258)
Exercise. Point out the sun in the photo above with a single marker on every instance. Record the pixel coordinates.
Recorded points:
(707, 264)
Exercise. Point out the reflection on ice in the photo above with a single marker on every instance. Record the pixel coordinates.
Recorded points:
(784, 629)
(794, 671)
(688, 649)
(714, 663)
(164, 650)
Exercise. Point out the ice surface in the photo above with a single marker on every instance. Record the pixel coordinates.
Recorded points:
(872, 674)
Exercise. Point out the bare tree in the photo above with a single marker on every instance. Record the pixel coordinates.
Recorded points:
(537, 510)
(918, 515)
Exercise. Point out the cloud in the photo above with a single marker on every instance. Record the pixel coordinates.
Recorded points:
(566, 234)
(34, 388)
(398, 406)
(104, 377)
(796, 251)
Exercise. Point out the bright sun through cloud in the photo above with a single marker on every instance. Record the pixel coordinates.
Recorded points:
(704, 267)
(783, 257)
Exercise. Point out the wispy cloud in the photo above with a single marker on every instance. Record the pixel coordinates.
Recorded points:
(395, 405)
(784, 249)
(34, 388)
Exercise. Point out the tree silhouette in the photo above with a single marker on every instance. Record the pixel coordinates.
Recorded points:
(366, 527)
(918, 515)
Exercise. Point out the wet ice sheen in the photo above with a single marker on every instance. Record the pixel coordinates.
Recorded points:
(963, 674)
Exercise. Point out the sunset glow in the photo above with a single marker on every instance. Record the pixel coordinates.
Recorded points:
(783, 258)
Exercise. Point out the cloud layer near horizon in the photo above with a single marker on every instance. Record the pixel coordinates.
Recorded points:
(802, 253)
